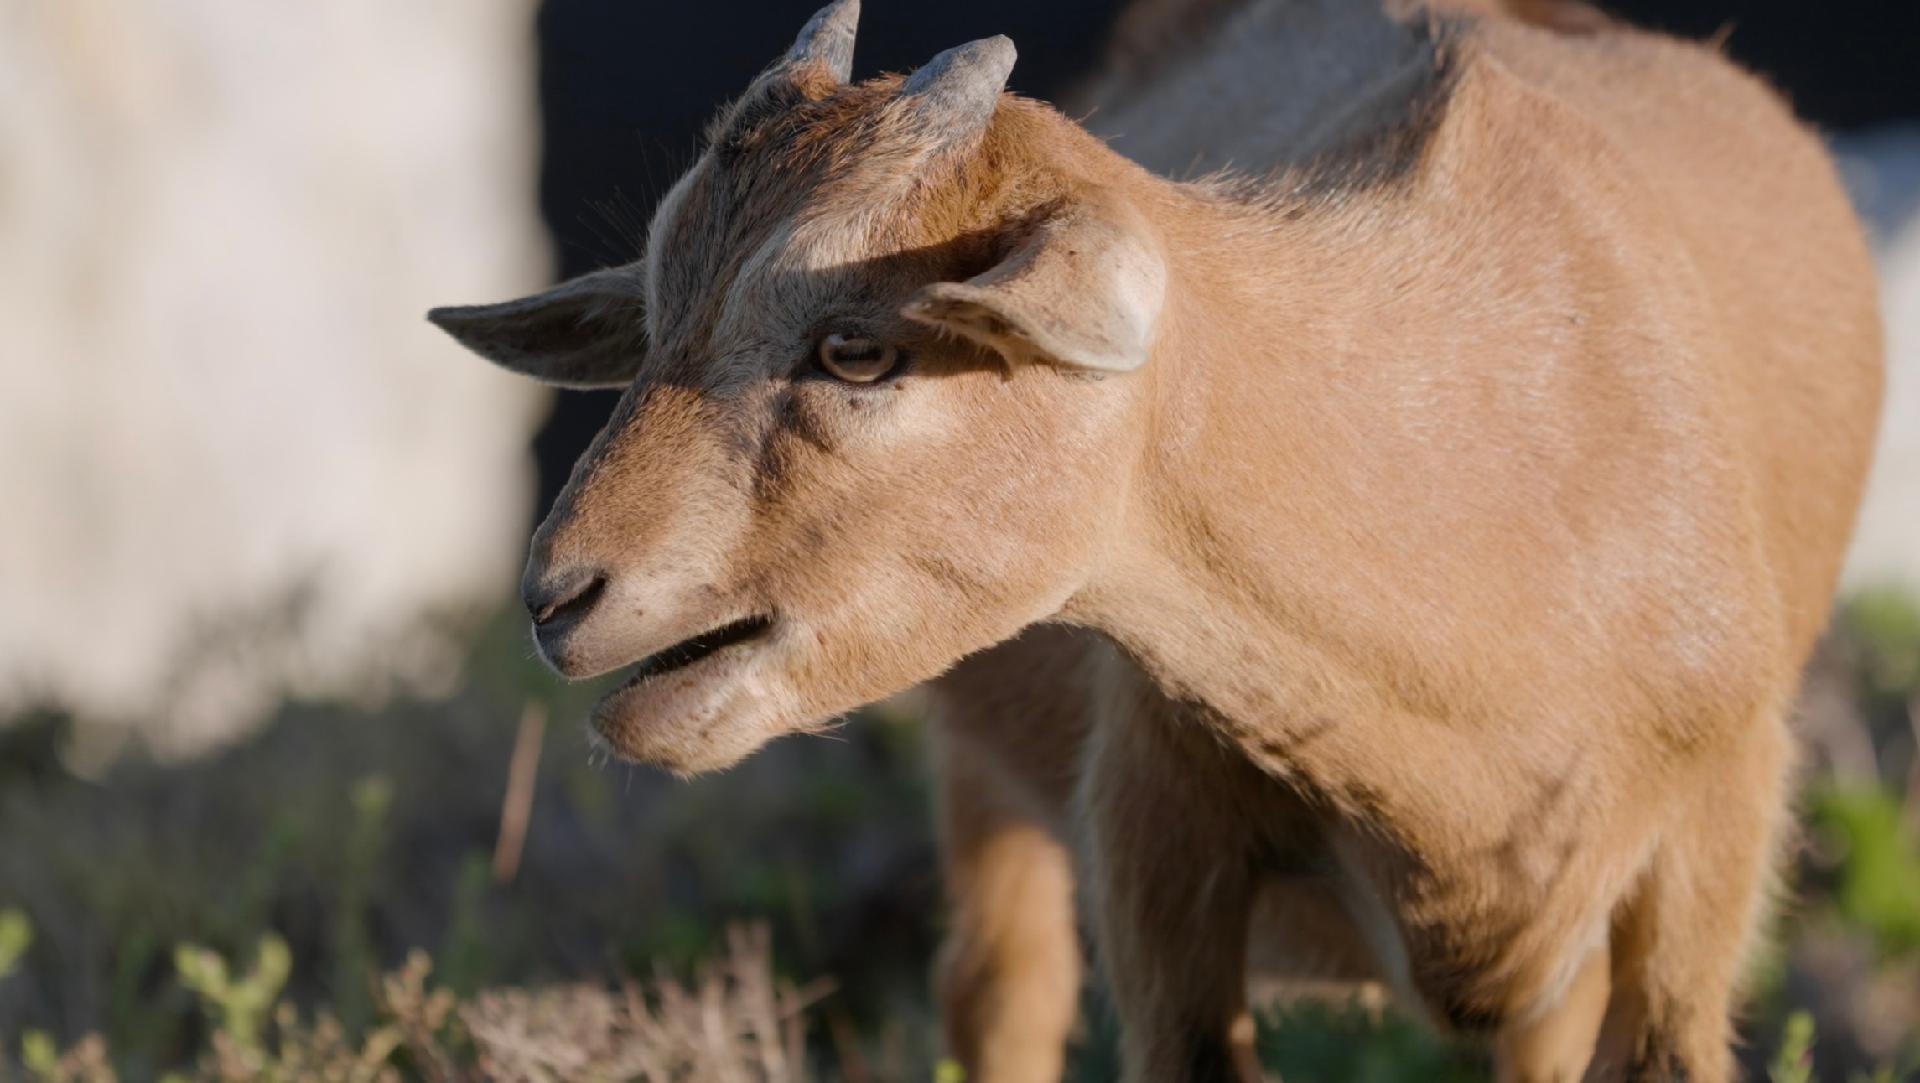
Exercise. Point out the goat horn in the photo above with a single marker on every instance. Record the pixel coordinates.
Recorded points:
(956, 91)
(828, 39)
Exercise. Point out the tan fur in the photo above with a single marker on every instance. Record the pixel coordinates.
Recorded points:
(1442, 568)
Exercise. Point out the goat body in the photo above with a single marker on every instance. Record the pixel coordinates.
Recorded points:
(1397, 555)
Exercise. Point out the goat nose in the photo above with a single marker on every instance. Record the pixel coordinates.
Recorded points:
(562, 599)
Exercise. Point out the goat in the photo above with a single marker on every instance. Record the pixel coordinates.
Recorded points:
(1397, 562)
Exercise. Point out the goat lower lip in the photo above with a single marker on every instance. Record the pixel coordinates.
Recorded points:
(694, 648)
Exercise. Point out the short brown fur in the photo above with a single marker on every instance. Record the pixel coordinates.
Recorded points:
(1416, 601)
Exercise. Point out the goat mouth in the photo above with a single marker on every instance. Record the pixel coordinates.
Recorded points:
(696, 648)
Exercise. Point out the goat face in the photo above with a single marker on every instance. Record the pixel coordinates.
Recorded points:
(867, 427)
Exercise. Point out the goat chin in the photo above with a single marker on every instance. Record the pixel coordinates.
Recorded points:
(704, 717)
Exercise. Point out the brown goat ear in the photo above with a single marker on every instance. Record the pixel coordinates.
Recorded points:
(1084, 289)
(587, 332)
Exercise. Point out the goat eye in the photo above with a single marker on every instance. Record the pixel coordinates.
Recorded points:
(857, 360)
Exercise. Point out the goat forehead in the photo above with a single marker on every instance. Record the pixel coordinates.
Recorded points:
(727, 259)
(801, 265)
(777, 224)
(835, 154)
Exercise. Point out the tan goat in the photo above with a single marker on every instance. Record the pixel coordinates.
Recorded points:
(1411, 552)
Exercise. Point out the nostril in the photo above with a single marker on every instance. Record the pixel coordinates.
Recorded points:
(570, 599)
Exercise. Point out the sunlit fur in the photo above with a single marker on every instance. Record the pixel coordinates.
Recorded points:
(1426, 604)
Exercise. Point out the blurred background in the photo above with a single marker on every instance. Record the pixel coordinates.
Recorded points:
(283, 791)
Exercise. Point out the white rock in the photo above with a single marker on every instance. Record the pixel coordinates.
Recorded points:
(220, 224)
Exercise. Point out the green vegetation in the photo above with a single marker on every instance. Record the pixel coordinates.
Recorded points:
(1330, 1044)
(240, 1005)
(16, 934)
(1794, 1062)
(654, 1034)
(1878, 874)
(324, 901)
(1886, 627)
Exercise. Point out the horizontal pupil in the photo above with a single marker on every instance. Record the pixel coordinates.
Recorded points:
(863, 352)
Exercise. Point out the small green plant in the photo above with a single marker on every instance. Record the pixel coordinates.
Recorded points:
(1879, 866)
(463, 955)
(39, 1054)
(1793, 1063)
(16, 936)
(241, 1006)
(1886, 622)
(84, 1063)
(355, 962)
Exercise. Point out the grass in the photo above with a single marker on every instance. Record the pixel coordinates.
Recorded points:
(331, 899)
(734, 1023)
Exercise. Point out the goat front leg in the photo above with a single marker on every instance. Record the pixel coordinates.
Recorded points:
(1009, 726)
(1172, 872)
(1555, 1044)
(1009, 972)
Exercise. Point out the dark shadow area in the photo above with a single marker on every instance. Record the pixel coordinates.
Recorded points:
(1843, 65)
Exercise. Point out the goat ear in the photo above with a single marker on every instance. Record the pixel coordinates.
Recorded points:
(1083, 289)
(587, 332)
